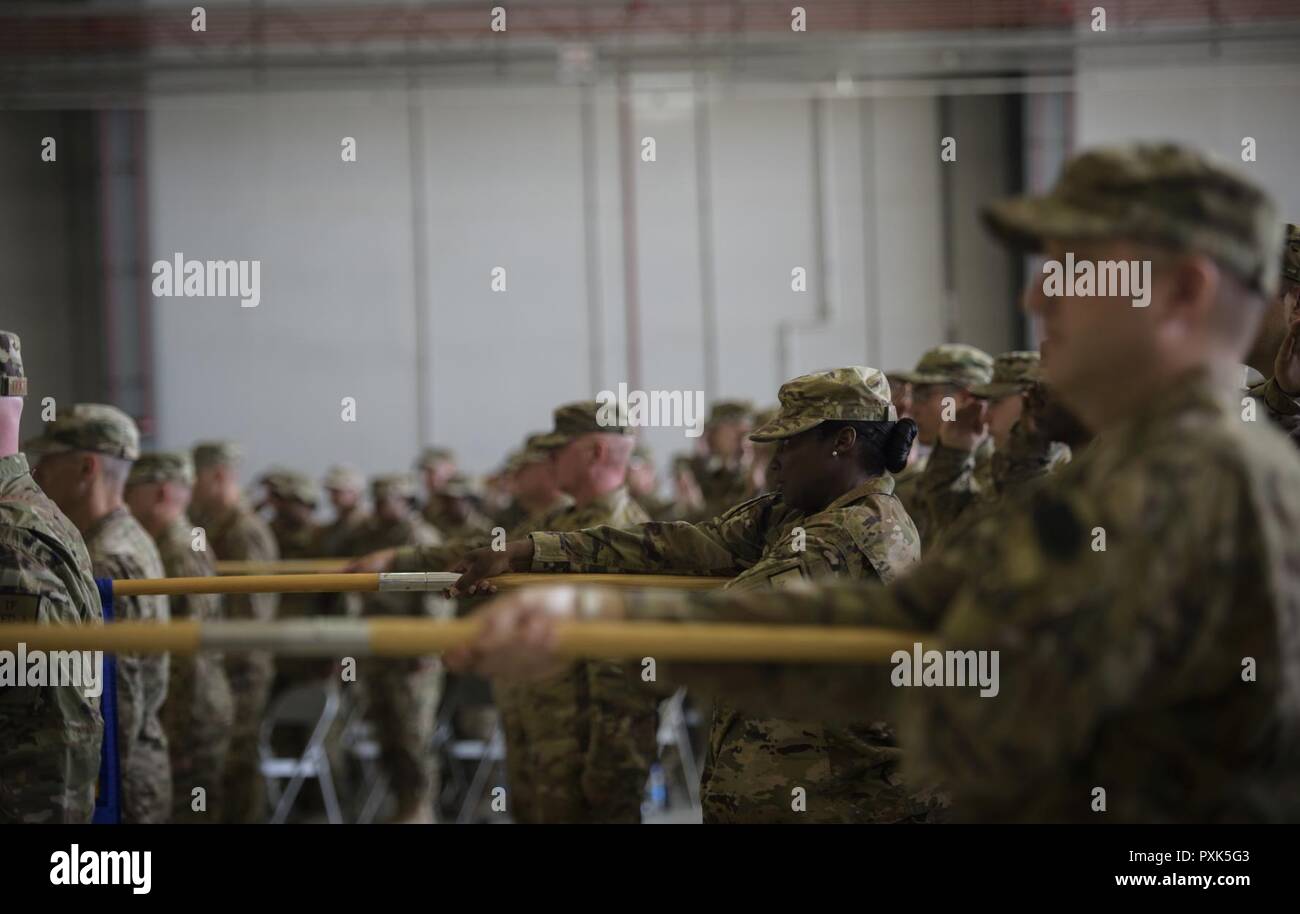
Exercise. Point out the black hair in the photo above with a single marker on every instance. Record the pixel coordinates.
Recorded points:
(880, 445)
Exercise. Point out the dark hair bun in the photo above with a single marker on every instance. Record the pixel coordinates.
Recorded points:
(899, 444)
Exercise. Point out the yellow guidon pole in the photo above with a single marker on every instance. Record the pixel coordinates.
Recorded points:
(408, 637)
(391, 581)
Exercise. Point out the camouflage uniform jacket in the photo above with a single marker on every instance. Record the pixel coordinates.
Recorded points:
(722, 485)
(239, 535)
(120, 548)
(49, 756)
(441, 556)
(847, 773)
(337, 536)
(1162, 667)
(199, 701)
(591, 732)
(950, 487)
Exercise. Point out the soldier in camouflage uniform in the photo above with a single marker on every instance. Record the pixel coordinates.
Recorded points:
(84, 456)
(235, 533)
(721, 475)
(436, 466)
(534, 492)
(198, 714)
(1276, 353)
(1156, 679)
(293, 497)
(452, 513)
(833, 515)
(403, 693)
(49, 755)
(948, 370)
(578, 746)
(950, 483)
(345, 487)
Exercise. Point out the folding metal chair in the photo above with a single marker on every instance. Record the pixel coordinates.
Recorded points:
(314, 707)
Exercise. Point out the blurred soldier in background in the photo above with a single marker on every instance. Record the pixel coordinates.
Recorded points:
(198, 714)
(84, 457)
(49, 757)
(235, 533)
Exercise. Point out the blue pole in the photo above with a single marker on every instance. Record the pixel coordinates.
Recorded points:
(108, 798)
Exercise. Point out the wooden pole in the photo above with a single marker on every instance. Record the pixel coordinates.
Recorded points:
(407, 637)
(418, 581)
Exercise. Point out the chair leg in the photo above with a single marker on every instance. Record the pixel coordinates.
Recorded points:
(481, 773)
(332, 810)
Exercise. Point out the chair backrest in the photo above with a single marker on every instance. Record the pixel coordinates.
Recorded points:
(313, 705)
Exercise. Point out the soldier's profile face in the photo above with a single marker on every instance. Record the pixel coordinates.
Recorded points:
(1089, 340)
(1002, 414)
(141, 499)
(798, 470)
(728, 439)
(59, 475)
(343, 499)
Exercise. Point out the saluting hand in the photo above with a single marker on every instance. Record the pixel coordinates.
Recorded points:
(968, 428)
(1286, 367)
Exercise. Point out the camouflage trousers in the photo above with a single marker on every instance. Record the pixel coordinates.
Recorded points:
(403, 701)
(146, 782)
(244, 790)
(784, 771)
(579, 745)
(198, 716)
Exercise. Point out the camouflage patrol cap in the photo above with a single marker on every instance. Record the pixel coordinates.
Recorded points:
(1013, 372)
(216, 453)
(13, 383)
(458, 486)
(292, 485)
(855, 394)
(275, 476)
(95, 427)
(162, 466)
(431, 455)
(531, 452)
(950, 363)
(585, 417)
(344, 477)
(389, 485)
(1290, 256)
(1159, 193)
(730, 411)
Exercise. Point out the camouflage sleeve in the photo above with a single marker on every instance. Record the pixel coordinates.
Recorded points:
(1028, 457)
(811, 553)
(50, 751)
(251, 543)
(722, 546)
(831, 692)
(1282, 408)
(1047, 605)
(437, 556)
(947, 486)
